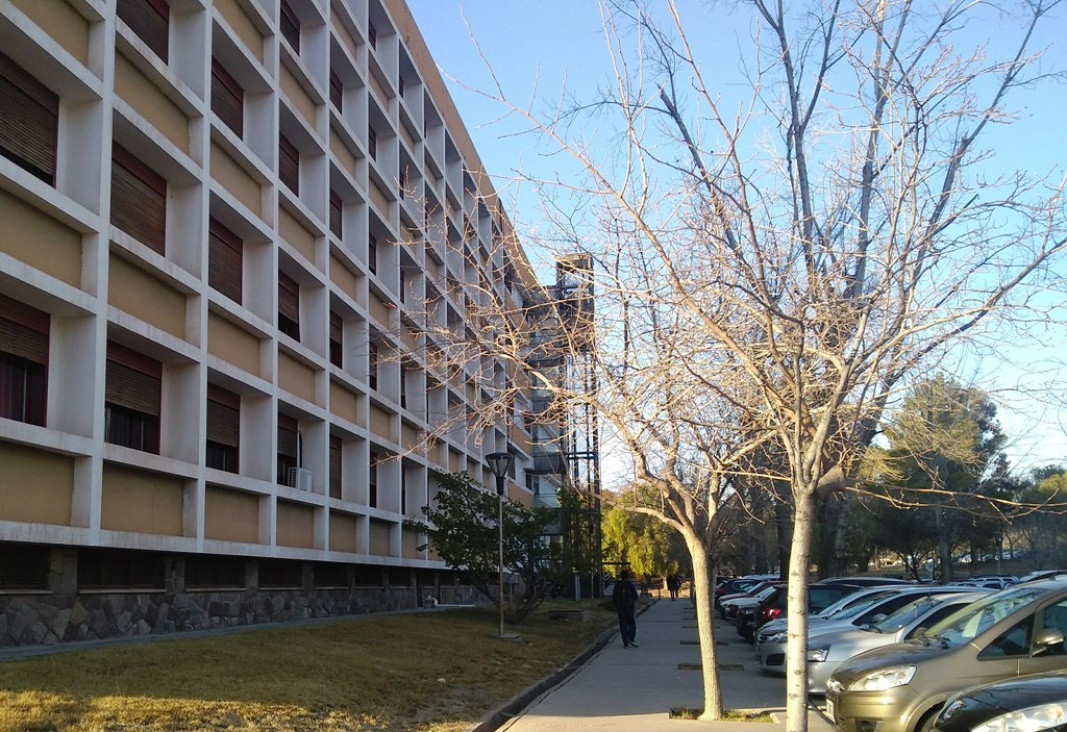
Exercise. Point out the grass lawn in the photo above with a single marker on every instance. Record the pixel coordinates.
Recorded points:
(432, 671)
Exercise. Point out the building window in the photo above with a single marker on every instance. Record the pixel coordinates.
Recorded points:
(372, 363)
(372, 481)
(204, 572)
(372, 253)
(372, 142)
(400, 85)
(280, 573)
(287, 447)
(403, 284)
(337, 332)
(225, 257)
(336, 206)
(372, 35)
(335, 467)
(333, 574)
(29, 121)
(402, 183)
(138, 199)
(223, 429)
(24, 566)
(288, 306)
(337, 90)
(290, 26)
(23, 362)
(149, 20)
(227, 98)
(289, 164)
(133, 392)
(119, 570)
(403, 493)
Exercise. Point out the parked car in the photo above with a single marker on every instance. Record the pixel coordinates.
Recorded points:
(827, 651)
(820, 597)
(866, 581)
(878, 604)
(731, 606)
(732, 587)
(1031, 703)
(750, 591)
(861, 596)
(902, 687)
(992, 582)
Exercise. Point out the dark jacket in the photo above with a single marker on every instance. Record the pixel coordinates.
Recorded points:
(624, 596)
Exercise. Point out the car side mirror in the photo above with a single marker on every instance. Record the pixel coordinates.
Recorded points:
(1046, 638)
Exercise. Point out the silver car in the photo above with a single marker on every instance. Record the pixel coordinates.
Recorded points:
(828, 650)
(865, 609)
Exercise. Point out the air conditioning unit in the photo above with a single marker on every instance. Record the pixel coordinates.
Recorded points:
(300, 478)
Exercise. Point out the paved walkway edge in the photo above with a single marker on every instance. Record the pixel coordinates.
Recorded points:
(496, 718)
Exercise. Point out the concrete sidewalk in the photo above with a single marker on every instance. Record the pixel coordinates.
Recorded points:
(635, 688)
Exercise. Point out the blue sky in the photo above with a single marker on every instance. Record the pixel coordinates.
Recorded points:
(540, 47)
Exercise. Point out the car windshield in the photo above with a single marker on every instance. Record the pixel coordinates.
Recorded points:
(972, 620)
(766, 592)
(861, 604)
(846, 604)
(906, 615)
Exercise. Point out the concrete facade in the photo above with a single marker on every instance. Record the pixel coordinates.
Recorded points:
(364, 224)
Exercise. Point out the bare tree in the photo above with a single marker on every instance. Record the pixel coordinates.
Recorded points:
(770, 277)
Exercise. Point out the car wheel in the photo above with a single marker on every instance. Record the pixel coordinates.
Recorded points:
(926, 724)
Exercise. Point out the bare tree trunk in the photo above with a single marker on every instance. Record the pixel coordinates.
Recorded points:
(702, 593)
(796, 654)
(783, 520)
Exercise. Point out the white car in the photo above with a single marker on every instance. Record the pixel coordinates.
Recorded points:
(828, 650)
(871, 607)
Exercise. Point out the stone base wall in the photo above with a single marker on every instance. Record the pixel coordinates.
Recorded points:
(48, 619)
(63, 613)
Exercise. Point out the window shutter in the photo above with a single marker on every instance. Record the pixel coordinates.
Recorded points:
(149, 19)
(30, 121)
(288, 297)
(23, 330)
(133, 380)
(336, 339)
(223, 416)
(336, 205)
(289, 164)
(289, 25)
(225, 257)
(287, 429)
(337, 90)
(336, 327)
(138, 199)
(227, 98)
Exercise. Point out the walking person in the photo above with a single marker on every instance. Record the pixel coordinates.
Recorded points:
(673, 584)
(625, 598)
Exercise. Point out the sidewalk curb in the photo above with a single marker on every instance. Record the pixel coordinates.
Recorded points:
(504, 713)
(495, 718)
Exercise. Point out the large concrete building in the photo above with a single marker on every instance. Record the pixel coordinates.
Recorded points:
(229, 231)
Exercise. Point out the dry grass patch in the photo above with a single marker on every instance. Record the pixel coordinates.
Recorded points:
(432, 672)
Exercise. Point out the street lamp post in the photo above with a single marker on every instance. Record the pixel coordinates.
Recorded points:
(500, 464)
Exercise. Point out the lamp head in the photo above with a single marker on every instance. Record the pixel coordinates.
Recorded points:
(499, 463)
